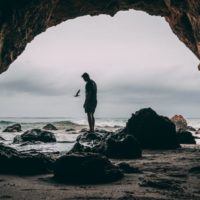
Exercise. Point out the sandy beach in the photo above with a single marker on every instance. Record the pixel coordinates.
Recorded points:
(164, 175)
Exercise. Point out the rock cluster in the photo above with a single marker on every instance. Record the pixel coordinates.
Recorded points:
(70, 168)
(13, 128)
(35, 135)
(14, 162)
(116, 145)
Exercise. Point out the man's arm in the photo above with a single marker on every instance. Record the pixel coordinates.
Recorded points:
(89, 93)
(88, 97)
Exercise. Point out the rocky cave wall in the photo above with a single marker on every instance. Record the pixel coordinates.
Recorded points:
(22, 20)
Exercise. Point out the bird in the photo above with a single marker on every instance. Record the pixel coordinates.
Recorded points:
(77, 94)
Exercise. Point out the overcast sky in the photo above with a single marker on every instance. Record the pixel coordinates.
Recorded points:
(134, 58)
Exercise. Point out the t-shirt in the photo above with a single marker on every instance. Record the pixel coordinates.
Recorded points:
(91, 90)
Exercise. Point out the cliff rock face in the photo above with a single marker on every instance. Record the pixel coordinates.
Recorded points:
(22, 20)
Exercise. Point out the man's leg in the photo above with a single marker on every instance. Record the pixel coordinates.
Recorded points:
(90, 122)
(93, 121)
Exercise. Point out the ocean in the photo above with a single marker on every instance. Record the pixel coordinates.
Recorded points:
(65, 140)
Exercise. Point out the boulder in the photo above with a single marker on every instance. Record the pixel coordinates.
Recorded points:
(50, 127)
(85, 168)
(111, 145)
(13, 128)
(103, 131)
(70, 129)
(190, 128)
(14, 162)
(180, 122)
(198, 131)
(83, 130)
(195, 170)
(185, 137)
(90, 137)
(35, 135)
(151, 130)
(127, 147)
(127, 169)
(80, 148)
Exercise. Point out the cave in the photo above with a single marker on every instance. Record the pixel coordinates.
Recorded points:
(21, 21)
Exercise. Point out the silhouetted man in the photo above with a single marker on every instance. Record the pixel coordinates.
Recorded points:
(90, 100)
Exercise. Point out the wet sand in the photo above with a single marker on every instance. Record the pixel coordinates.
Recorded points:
(164, 175)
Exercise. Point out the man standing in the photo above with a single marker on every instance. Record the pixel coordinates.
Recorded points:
(90, 100)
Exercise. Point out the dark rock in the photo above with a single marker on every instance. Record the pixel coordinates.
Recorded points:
(180, 122)
(29, 143)
(17, 139)
(195, 137)
(117, 126)
(163, 184)
(111, 145)
(103, 131)
(70, 129)
(35, 135)
(83, 130)
(128, 196)
(190, 128)
(90, 137)
(127, 169)
(73, 132)
(79, 148)
(85, 168)
(195, 170)
(50, 127)
(13, 128)
(14, 162)
(185, 137)
(2, 138)
(151, 130)
(128, 147)
(198, 131)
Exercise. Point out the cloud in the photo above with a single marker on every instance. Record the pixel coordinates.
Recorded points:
(135, 60)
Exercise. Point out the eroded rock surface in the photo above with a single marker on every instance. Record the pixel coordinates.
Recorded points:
(112, 145)
(180, 122)
(21, 21)
(14, 162)
(185, 137)
(34, 135)
(152, 130)
(50, 127)
(85, 168)
(13, 128)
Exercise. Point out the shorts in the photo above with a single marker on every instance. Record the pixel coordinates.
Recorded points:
(90, 107)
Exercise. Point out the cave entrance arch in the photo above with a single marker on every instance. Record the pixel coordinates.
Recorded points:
(22, 21)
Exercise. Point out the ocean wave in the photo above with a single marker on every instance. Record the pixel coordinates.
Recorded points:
(6, 122)
(66, 123)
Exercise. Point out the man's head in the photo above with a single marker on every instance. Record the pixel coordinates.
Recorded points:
(86, 77)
